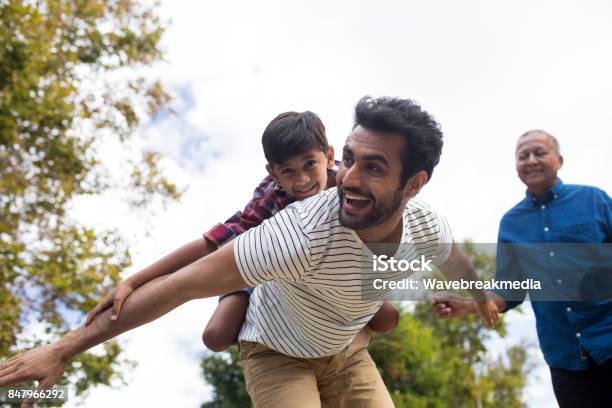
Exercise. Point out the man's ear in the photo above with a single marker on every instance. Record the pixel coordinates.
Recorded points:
(415, 184)
(330, 157)
(560, 161)
(271, 172)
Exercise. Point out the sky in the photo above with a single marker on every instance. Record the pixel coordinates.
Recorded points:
(487, 71)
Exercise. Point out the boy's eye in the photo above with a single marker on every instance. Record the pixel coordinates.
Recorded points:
(310, 164)
(287, 172)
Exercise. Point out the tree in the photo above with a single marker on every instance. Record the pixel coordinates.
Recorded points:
(71, 82)
(222, 372)
(425, 362)
(444, 363)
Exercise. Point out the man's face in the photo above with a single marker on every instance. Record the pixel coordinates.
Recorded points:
(369, 178)
(303, 175)
(537, 162)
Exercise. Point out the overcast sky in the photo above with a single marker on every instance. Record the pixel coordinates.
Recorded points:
(488, 71)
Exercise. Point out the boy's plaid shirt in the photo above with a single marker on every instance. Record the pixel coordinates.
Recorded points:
(268, 199)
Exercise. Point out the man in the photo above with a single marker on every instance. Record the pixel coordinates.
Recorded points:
(307, 261)
(575, 334)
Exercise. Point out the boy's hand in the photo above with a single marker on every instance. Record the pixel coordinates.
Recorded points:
(114, 298)
(487, 309)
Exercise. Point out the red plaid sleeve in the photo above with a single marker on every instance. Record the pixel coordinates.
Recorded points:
(268, 199)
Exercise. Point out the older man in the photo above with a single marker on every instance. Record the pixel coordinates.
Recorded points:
(307, 265)
(575, 334)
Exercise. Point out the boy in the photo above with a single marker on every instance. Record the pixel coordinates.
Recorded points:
(300, 164)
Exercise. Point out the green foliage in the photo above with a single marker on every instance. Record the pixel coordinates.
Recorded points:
(429, 362)
(425, 362)
(69, 85)
(222, 372)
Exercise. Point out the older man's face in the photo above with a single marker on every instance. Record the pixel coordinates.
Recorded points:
(537, 162)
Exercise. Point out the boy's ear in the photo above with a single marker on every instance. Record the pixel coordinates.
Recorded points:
(415, 184)
(271, 172)
(330, 157)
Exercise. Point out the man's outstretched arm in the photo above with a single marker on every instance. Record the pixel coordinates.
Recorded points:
(209, 276)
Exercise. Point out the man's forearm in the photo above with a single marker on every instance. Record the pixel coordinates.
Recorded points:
(150, 301)
(174, 261)
(209, 276)
(459, 267)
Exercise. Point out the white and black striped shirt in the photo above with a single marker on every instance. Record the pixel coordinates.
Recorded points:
(309, 271)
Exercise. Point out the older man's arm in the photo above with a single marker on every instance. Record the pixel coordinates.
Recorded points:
(212, 275)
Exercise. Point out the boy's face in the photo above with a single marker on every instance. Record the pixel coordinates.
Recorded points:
(303, 175)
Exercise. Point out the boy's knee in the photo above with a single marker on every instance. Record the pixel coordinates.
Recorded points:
(214, 340)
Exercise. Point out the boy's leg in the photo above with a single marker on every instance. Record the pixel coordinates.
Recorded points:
(275, 380)
(224, 325)
(353, 381)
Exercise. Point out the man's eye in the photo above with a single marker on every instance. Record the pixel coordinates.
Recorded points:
(374, 168)
(347, 161)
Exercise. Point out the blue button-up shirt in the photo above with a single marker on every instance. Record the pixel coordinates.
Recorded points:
(568, 214)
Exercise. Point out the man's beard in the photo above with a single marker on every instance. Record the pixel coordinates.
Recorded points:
(384, 208)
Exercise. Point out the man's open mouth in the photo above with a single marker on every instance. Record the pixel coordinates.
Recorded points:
(354, 202)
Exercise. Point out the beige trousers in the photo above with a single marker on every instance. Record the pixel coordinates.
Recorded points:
(348, 379)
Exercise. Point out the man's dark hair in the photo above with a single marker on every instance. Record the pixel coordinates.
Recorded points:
(293, 133)
(420, 130)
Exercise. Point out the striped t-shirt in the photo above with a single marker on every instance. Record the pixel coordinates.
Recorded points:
(309, 270)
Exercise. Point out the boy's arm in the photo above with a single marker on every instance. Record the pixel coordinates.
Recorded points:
(171, 263)
(215, 274)
(263, 205)
(179, 258)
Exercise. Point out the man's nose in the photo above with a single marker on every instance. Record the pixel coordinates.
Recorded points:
(351, 177)
(532, 159)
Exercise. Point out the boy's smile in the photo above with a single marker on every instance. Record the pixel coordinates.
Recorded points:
(304, 175)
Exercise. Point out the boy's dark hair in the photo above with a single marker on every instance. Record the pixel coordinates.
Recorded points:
(293, 133)
(420, 130)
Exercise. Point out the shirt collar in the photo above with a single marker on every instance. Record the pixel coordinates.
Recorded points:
(552, 194)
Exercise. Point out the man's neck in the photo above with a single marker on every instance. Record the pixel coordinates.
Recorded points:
(387, 232)
(539, 192)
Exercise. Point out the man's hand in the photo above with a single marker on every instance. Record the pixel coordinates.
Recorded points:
(43, 364)
(114, 299)
(449, 305)
(487, 309)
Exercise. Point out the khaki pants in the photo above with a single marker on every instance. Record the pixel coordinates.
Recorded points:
(347, 379)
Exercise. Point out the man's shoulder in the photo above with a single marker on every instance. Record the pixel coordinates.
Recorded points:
(318, 210)
(416, 208)
(420, 216)
(587, 190)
